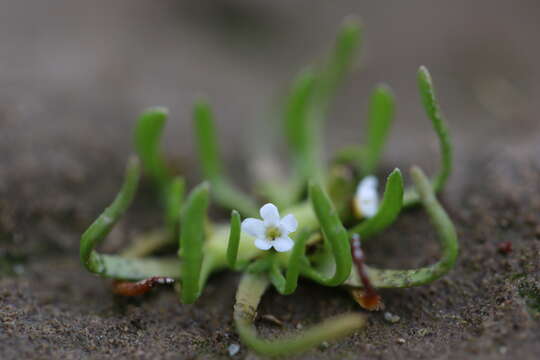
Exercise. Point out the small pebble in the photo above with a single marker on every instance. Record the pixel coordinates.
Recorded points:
(233, 349)
(391, 318)
(400, 341)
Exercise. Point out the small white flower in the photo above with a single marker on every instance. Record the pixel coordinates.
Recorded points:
(366, 199)
(271, 231)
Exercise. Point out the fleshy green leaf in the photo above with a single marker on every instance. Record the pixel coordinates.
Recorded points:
(308, 104)
(207, 146)
(336, 237)
(298, 128)
(381, 114)
(147, 137)
(191, 242)
(431, 106)
(234, 239)
(175, 196)
(341, 60)
(388, 211)
(103, 225)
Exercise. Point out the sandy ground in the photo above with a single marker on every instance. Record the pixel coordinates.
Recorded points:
(75, 75)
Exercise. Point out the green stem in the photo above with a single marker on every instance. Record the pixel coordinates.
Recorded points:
(248, 296)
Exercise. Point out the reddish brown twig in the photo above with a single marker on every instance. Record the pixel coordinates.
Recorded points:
(128, 288)
(367, 297)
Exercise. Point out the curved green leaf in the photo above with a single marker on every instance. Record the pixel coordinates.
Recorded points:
(248, 296)
(446, 235)
(431, 106)
(388, 211)
(336, 239)
(103, 225)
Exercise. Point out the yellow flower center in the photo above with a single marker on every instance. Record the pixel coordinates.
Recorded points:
(272, 232)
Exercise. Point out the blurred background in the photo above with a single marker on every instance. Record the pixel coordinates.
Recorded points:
(76, 74)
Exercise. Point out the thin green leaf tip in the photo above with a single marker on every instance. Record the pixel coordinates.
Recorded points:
(147, 138)
(432, 109)
(380, 117)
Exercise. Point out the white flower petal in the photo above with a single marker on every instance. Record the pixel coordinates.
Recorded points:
(289, 223)
(270, 214)
(254, 227)
(369, 209)
(262, 243)
(283, 243)
(366, 199)
(368, 182)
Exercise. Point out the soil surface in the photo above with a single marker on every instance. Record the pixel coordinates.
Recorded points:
(75, 75)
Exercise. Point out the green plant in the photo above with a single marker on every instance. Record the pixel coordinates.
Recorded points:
(322, 220)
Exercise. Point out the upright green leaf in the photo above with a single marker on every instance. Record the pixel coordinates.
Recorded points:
(207, 146)
(234, 239)
(147, 137)
(191, 242)
(175, 196)
(381, 114)
(299, 130)
(308, 104)
(341, 59)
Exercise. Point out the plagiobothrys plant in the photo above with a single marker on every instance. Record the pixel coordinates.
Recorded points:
(330, 208)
